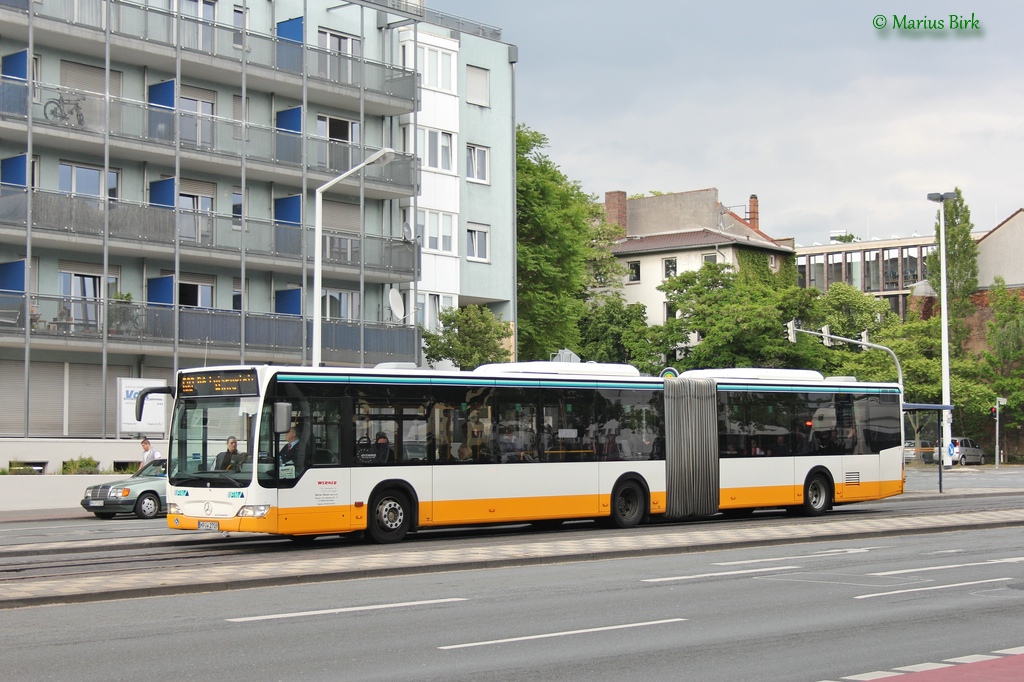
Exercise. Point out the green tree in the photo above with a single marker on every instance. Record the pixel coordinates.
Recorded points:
(848, 311)
(1004, 359)
(469, 337)
(612, 331)
(961, 262)
(739, 319)
(845, 238)
(555, 222)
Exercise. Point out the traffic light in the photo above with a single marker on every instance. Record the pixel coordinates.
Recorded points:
(791, 331)
(995, 412)
(826, 336)
(864, 336)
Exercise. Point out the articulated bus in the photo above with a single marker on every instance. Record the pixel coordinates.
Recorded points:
(388, 450)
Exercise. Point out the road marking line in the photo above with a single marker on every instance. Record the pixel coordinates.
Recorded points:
(351, 609)
(934, 587)
(976, 658)
(923, 667)
(877, 675)
(723, 573)
(990, 562)
(562, 634)
(1010, 652)
(817, 555)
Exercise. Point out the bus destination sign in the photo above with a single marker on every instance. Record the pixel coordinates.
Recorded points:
(215, 383)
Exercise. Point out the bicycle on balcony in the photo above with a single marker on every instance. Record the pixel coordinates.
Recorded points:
(60, 109)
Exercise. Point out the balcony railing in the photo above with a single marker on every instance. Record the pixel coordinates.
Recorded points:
(134, 121)
(150, 325)
(161, 26)
(71, 214)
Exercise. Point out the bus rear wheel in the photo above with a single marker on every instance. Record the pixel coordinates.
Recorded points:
(391, 517)
(817, 496)
(627, 504)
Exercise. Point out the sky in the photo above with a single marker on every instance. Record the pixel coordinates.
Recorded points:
(834, 124)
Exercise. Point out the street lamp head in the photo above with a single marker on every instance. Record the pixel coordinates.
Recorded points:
(944, 196)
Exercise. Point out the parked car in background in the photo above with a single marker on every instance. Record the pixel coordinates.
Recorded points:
(966, 451)
(144, 494)
(914, 451)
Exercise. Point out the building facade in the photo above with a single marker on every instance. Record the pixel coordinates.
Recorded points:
(679, 232)
(158, 170)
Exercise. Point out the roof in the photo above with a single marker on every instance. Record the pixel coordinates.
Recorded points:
(689, 239)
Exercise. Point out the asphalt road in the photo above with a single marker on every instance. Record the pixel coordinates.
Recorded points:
(803, 611)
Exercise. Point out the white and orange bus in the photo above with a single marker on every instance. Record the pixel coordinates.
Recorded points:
(389, 450)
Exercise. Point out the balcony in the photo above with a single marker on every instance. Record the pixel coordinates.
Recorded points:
(61, 322)
(75, 119)
(148, 35)
(213, 238)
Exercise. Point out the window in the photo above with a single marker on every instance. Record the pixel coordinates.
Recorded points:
(710, 257)
(771, 260)
(195, 217)
(236, 293)
(633, 271)
(335, 61)
(435, 67)
(476, 241)
(195, 293)
(478, 86)
(240, 17)
(81, 289)
(434, 230)
(669, 265)
(339, 304)
(197, 29)
(236, 208)
(429, 307)
(196, 122)
(477, 166)
(341, 135)
(73, 178)
(434, 147)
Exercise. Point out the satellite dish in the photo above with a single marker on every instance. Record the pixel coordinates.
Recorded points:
(397, 306)
(407, 231)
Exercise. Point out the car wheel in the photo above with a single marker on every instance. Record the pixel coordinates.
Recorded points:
(817, 496)
(981, 460)
(106, 516)
(147, 506)
(963, 460)
(391, 517)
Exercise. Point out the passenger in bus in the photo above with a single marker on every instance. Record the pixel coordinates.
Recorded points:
(465, 453)
(780, 449)
(827, 442)
(509, 444)
(230, 458)
(384, 453)
(755, 449)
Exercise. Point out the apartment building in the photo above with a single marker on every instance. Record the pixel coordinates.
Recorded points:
(678, 232)
(158, 170)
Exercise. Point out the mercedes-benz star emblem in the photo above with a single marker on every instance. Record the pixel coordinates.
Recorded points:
(208, 509)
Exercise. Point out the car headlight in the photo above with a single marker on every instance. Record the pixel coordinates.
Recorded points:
(119, 492)
(173, 508)
(256, 511)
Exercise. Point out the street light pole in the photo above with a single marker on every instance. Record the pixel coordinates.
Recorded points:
(381, 157)
(947, 421)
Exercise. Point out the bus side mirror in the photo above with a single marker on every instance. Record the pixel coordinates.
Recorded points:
(282, 417)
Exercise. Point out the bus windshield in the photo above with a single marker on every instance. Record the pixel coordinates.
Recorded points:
(210, 442)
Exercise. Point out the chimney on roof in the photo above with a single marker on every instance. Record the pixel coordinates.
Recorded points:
(752, 212)
(615, 208)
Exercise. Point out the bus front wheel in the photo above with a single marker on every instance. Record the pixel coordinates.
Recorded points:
(627, 504)
(817, 496)
(391, 517)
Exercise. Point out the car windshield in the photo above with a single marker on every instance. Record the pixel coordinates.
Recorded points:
(158, 467)
(209, 443)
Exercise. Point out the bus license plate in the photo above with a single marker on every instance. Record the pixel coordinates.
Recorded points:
(209, 525)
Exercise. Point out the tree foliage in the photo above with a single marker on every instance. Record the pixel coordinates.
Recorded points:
(556, 245)
(1004, 359)
(469, 337)
(612, 331)
(961, 260)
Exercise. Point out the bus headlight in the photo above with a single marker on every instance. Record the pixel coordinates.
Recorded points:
(173, 508)
(256, 511)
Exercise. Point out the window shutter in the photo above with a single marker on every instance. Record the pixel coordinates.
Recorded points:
(92, 269)
(341, 216)
(478, 86)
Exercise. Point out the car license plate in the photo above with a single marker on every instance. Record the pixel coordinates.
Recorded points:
(209, 525)
(95, 503)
